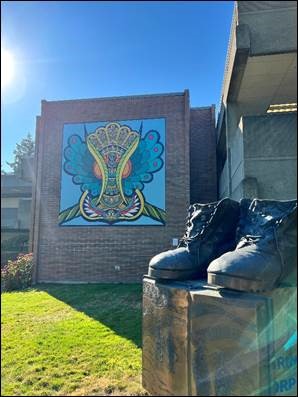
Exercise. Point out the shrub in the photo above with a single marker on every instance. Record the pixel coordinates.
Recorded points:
(17, 274)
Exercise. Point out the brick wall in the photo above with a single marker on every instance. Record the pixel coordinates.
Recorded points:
(203, 185)
(90, 254)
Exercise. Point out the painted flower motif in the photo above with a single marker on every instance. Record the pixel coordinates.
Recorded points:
(145, 161)
(112, 165)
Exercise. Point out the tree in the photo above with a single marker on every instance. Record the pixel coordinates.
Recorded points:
(3, 172)
(23, 149)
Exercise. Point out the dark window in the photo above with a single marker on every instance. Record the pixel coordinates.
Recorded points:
(9, 217)
(24, 213)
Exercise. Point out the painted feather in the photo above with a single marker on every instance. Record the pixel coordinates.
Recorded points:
(146, 160)
(79, 164)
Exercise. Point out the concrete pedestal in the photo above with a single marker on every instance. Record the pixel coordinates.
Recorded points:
(200, 340)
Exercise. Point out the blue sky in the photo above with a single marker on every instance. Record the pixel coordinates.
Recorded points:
(89, 49)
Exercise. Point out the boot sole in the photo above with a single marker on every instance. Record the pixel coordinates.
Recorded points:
(172, 274)
(237, 283)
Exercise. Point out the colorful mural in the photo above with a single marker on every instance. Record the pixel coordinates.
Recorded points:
(113, 173)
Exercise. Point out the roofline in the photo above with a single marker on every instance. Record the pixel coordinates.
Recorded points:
(11, 229)
(118, 97)
(203, 107)
(16, 195)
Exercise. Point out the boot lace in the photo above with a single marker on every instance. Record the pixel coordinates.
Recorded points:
(248, 240)
(206, 217)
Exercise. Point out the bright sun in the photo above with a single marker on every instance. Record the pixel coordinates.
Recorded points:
(7, 67)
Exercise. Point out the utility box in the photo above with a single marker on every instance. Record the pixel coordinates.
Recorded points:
(202, 340)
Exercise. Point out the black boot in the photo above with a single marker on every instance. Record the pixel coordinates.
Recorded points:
(266, 253)
(209, 233)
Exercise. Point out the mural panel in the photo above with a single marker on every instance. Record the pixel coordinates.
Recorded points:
(113, 173)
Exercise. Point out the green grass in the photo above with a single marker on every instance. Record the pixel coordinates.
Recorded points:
(72, 340)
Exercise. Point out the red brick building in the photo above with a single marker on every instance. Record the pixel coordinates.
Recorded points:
(114, 179)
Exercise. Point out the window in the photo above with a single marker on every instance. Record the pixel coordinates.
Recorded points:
(9, 218)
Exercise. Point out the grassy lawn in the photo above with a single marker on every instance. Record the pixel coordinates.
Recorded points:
(72, 340)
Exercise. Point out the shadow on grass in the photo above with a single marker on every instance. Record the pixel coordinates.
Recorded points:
(118, 306)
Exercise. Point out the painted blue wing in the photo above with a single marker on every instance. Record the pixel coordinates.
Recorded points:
(79, 163)
(146, 160)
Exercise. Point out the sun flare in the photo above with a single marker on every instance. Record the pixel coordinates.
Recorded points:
(7, 67)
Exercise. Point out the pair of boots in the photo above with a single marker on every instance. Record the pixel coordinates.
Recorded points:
(248, 246)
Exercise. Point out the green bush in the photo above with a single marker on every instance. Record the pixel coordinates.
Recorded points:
(17, 274)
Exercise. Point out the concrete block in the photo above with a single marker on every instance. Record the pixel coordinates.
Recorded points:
(202, 340)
